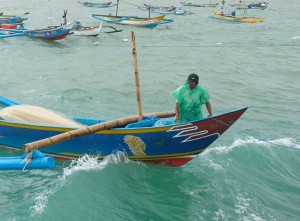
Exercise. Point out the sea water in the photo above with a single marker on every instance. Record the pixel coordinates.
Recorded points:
(250, 173)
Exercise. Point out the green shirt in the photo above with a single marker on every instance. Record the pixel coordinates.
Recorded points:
(190, 102)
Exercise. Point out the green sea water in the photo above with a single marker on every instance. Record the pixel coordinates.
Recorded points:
(250, 173)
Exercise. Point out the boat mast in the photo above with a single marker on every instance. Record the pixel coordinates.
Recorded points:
(117, 8)
(50, 16)
(223, 2)
(136, 73)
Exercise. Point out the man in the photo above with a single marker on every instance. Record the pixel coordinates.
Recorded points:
(190, 99)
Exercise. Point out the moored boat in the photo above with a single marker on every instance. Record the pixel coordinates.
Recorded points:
(97, 5)
(11, 19)
(78, 29)
(50, 33)
(155, 139)
(133, 21)
(221, 16)
(211, 5)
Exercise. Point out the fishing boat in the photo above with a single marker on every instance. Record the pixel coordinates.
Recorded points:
(97, 5)
(133, 20)
(78, 29)
(50, 33)
(233, 17)
(154, 139)
(164, 10)
(254, 5)
(244, 19)
(211, 5)
(12, 19)
(257, 5)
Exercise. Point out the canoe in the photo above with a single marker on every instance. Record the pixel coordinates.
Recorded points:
(50, 33)
(236, 19)
(152, 140)
(211, 5)
(257, 5)
(78, 29)
(97, 5)
(133, 21)
(165, 10)
(11, 19)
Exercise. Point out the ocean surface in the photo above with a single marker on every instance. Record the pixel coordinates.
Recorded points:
(251, 173)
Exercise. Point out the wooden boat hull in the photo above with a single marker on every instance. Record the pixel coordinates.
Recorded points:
(209, 5)
(11, 19)
(97, 5)
(236, 19)
(87, 31)
(133, 21)
(171, 144)
(48, 34)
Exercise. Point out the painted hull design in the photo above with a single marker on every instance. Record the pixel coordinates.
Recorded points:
(133, 21)
(49, 33)
(236, 19)
(169, 144)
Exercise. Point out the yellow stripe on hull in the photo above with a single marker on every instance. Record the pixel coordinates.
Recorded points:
(237, 19)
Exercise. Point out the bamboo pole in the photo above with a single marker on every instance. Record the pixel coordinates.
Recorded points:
(117, 8)
(90, 130)
(136, 73)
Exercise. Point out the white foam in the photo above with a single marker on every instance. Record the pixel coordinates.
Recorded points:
(283, 142)
(296, 37)
(40, 203)
(92, 163)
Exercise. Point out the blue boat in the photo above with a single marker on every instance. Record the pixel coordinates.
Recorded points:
(50, 33)
(97, 5)
(12, 19)
(154, 139)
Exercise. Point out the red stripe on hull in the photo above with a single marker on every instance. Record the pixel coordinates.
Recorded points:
(56, 37)
(174, 162)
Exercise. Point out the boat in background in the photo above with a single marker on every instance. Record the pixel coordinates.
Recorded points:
(233, 18)
(154, 139)
(210, 5)
(255, 5)
(12, 19)
(97, 5)
(258, 5)
(78, 29)
(133, 20)
(163, 10)
(49, 33)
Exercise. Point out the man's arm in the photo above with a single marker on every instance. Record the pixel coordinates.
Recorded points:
(208, 107)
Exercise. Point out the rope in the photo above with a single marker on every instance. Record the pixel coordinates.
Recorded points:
(27, 160)
(129, 3)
